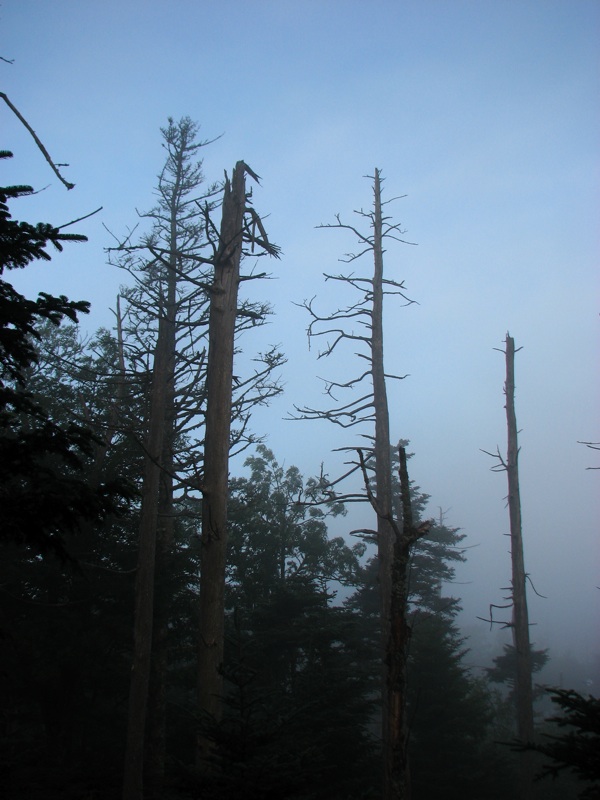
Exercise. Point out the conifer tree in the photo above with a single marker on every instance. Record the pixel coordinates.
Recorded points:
(43, 491)
(297, 699)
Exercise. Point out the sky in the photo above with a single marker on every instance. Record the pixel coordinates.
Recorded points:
(482, 114)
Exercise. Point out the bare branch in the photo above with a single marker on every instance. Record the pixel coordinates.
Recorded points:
(79, 219)
(37, 140)
(498, 467)
(591, 445)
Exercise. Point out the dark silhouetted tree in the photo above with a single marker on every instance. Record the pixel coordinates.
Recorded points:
(577, 748)
(43, 489)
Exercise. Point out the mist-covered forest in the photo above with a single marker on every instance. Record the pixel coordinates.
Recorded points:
(183, 614)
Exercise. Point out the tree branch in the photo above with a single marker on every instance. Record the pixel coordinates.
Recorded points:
(36, 139)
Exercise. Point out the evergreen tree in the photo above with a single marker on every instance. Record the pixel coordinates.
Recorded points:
(451, 716)
(505, 666)
(65, 637)
(297, 704)
(576, 748)
(43, 492)
(450, 712)
(66, 644)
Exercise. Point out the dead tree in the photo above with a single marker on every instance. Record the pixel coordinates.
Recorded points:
(159, 257)
(166, 329)
(405, 534)
(370, 407)
(144, 583)
(519, 623)
(239, 224)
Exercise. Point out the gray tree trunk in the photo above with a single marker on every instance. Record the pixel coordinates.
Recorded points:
(520, 620)
(383, 478)
(373, 407)
(157, 503)
(222, 323)
(144, 580)
(383, 463)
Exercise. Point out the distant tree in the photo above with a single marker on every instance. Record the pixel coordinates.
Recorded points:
(505, 668)
(452, 717)
(450, 713)
(278, 537)
(43, 490)
(519, 624)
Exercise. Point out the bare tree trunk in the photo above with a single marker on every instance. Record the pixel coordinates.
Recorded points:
(154, 769)
(383, 462)
(383, 474)
(144, 581)
(397, 786)
(213, 552)
(150, 642)
(520, 621)
(155, 753)
(372, 407)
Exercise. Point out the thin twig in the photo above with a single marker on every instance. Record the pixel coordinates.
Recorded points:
(79, 219)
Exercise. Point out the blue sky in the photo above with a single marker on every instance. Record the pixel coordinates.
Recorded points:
(485, 114)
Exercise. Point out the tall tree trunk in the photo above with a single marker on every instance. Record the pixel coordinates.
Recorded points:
(520, 620)
(213, 552)
(144, 580)
(383, 463)
(155, 752)
(368, 313)
(383, 482)
(154, 770)
(397, 786)
(157, 505)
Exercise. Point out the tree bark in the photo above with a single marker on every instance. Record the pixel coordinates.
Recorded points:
(154, 770)
(383, 463)
(144, 581)
(371, 408)
(146, 731)
(155, 750)
(520, 620)
(391, 711)
(397, 783)
(213, 552)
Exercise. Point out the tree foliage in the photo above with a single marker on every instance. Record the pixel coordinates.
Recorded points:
(43, 491)
(577, 747)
